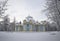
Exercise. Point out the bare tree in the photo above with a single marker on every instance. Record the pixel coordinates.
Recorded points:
(53, 11)
(3, 5)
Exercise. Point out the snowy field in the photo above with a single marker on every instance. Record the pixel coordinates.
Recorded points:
(29, 36)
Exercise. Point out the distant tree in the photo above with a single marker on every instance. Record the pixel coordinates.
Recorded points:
(6, 23)
(53, 11)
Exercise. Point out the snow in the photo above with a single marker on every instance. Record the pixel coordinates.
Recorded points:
(29, 36)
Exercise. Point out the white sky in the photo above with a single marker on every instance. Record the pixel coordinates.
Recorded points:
(22, 8)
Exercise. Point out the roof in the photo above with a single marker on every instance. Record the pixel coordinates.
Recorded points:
(29, 17)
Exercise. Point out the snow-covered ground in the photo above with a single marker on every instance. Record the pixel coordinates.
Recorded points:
(29, 36)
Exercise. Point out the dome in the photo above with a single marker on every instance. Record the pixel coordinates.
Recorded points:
(30, 18)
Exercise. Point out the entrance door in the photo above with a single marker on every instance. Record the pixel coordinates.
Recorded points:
(27, 27)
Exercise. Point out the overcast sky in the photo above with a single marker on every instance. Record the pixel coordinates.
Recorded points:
(22, 8)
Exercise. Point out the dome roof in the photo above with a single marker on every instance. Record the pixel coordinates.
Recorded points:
(29, 18)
